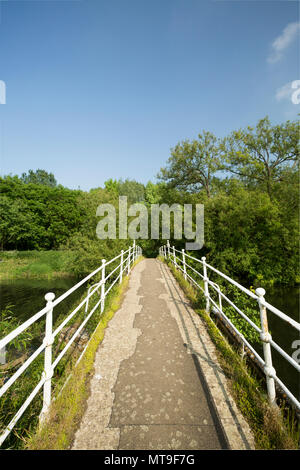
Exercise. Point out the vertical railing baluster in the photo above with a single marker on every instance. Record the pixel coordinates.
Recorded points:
(48, 371)
(103, 285)
(168, 248)
(3, 355)
(266, 337)
(174, 257)
(121, 266)
(183, 263)
(133, 254)
(128, 264)
(205, 279)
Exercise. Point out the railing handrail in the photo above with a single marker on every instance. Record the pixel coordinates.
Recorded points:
(13, 334)
(125, 264)
(265, 337)
(270, 307)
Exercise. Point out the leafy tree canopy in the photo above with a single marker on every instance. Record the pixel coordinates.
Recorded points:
(261, 154)
(192, 164)
(39, 177)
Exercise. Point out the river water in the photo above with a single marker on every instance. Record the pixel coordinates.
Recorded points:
(285, 299)
(27, 297)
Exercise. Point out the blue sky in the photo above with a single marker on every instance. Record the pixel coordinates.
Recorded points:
(99, 89)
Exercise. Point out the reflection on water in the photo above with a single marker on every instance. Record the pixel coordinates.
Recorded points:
(27, 296)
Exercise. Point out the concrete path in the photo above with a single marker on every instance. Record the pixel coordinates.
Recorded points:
(157, 382)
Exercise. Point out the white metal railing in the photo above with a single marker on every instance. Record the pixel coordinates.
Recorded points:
(126, 258)
(178, 258)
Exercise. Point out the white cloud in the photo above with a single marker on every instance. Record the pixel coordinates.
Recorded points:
(281, 43)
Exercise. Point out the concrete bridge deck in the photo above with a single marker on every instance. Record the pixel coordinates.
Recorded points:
(157, 382)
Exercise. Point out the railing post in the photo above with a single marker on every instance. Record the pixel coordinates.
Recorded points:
(219, 297)
(183, 263)
(3, 355)
(265, 337)
(129, 256)
(168, 248)
(121, 266)
(133, 252)
(48, 371)
(205, 279)
(103, 285)
(174, 257)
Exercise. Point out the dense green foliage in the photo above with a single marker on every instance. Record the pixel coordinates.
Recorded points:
(36, 216)
(248, 183)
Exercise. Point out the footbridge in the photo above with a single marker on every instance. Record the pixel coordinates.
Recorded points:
(157, 381)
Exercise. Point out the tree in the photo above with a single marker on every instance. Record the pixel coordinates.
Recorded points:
(193, 164)
(39, 177)
(260, 155)
(134, 191)
(248, 236)
(37, 216)
(112, 186)
(152, 193)
(17, 224)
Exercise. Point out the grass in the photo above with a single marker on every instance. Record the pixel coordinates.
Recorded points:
(34, 264)
(272, 428)
(69, 405)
